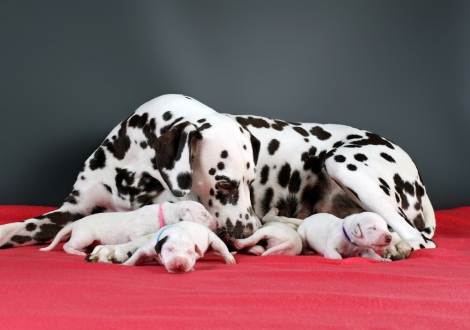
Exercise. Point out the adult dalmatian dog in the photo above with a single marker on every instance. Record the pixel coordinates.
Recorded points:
(239, 167)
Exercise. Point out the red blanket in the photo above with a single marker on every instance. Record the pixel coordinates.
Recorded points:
(55, 290)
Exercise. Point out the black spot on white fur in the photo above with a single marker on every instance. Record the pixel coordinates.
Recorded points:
(184, 180)
(283, 176)
(264, 174)
(167, 116)
(360, 157)
(98, 160)
(273, 146)
(320, 133)
(387, 157)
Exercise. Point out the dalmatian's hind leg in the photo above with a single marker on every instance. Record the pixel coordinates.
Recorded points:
(394, 191)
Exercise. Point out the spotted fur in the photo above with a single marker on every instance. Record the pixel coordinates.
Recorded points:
(239, 167)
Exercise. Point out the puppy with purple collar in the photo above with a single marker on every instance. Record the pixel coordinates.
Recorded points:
(123, 227)
(356, 235)
(177, 247)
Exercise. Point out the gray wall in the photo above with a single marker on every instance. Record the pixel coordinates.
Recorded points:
(70, 71)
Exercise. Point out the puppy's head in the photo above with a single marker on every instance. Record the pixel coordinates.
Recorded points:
(177, 251)
(370, 230)
(194, 211)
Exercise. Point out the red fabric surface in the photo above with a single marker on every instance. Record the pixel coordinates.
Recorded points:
(54, 290)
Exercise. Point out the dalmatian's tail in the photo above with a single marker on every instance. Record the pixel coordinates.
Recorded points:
(38, 230)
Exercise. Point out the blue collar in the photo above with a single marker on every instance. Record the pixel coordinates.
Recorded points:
(347, 237)
(160, 234)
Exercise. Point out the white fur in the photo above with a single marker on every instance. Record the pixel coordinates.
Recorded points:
(184, 243)
(281, 238)
(323, 233)
(122, 227)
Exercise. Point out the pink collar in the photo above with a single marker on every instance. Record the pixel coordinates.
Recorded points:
(160, 215)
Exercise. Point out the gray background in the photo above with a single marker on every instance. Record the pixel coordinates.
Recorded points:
(71, 71)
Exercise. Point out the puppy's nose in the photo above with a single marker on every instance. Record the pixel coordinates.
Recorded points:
(180, 263)
(388, 239)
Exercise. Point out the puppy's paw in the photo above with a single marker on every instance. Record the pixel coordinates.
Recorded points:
(231, 261)
(108, 254)
(256, 250)
(274, 211)
(238, 244)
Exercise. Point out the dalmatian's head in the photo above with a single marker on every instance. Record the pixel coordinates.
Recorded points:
(215, 163)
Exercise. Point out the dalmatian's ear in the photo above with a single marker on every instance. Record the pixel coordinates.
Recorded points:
(356, 230)
(255, 146)
(158, 246)
(173, 153)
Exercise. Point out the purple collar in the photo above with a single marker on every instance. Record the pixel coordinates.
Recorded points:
(347, 237)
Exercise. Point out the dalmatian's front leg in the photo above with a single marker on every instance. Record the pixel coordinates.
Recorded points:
(398, 249)
(117, 254)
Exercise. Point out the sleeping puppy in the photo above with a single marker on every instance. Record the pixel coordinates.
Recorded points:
(281, 238)
(122, 227)
(356, 235)
(177, 247)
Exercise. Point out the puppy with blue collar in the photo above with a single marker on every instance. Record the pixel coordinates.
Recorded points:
(177, 247)
(356, 235)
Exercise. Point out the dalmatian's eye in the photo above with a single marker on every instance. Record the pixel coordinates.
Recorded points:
(224, 185)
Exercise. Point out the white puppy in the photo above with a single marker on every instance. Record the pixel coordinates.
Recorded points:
(178, 246)
(280, 238)
(356, 235)
(122, 227)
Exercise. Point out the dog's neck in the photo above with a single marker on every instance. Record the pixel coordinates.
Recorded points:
(347, 236)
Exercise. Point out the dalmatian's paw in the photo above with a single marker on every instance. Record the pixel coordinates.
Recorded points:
(108, 254)
(398, 251)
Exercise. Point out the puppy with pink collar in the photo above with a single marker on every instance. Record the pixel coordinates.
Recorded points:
(123, 227)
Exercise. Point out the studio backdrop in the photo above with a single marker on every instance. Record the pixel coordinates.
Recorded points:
(72, 70)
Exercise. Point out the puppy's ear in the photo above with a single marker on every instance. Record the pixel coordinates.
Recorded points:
(158, 246)
(356, 230)
(198, 251)
(184, 214)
